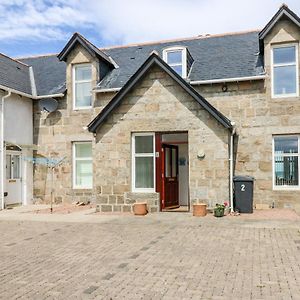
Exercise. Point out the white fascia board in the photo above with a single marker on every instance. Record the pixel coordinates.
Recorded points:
(222, 80)
(198, 82)
(107, 90)
(5, 88)
(50, 96)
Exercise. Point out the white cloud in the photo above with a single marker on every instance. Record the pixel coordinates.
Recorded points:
(119, 21)
(36, 19)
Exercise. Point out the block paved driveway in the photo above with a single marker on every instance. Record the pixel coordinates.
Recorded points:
(160, 256)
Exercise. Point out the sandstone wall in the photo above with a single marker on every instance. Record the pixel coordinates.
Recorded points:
(158, 104)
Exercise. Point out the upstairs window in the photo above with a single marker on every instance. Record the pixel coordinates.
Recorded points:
(176, 58)
(286, 161)
(82, 86)
(285, 81)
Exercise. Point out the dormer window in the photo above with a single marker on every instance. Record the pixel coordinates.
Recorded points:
(285, 71)
(176, 58)
(82, 86)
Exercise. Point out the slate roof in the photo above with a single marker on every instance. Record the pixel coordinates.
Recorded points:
(215, 57)
(49, 74)
(14, 74)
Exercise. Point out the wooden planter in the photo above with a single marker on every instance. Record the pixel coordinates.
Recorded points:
(140, 209)
(199, 210)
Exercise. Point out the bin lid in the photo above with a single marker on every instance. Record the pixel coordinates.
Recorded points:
(240, 178)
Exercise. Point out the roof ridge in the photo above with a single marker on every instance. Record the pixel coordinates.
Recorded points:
(181, 39)
(36, 55)
(14, 59)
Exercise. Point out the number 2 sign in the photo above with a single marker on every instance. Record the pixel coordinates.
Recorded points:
(243, 188)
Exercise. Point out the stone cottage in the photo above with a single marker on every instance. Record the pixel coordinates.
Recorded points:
(171, 122)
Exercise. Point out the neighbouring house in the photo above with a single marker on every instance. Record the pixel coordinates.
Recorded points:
(170, 122)
(18, 91)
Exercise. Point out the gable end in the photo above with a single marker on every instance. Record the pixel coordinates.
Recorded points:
(154, 59)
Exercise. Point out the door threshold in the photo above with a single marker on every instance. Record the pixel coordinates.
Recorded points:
(176, 208)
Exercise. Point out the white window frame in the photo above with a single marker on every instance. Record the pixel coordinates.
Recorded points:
(285, 187)
(183, 58)
(80, 81)
(74, 160)
(282, 65)
(134, 155)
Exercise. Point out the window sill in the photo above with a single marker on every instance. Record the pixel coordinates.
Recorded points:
(286, 188)
(81, 188)
(141, 191)
(82, 108)
(285, 96)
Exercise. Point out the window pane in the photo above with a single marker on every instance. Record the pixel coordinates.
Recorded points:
(174, 57)
(83, 73)
(284, 55)
(167, 162)
(177, 69)
(285, 80)
(288, 144)
(144, 173)
(83, 150)
(8, 167)
(16, 165)
(174, 163)
(83, 95)
(84, 173)
(144, 144)
(286, 170)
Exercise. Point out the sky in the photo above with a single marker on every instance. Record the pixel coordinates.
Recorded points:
(33, 27)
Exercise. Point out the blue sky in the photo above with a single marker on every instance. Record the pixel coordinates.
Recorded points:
(31, 27)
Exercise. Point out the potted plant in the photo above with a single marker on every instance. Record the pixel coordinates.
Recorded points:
(227, 209)
(219, 210)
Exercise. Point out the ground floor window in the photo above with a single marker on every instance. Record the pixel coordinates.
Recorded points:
(143, 162)
(286, 161)
(82, 165)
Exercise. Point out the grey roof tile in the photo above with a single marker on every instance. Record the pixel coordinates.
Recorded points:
(49, 74)
(14, 74)
(215, 57)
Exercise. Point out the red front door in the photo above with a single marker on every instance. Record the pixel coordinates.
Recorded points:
(169, 161)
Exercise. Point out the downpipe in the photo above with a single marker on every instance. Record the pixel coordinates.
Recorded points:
(2, 150)
(231, 165)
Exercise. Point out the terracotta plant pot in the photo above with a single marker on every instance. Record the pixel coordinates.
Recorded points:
(140, 209)
(199, 210)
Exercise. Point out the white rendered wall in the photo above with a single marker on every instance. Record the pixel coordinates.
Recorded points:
(18, 129)
(18, 124)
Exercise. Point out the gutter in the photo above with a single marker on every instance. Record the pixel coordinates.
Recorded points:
(233, 132)
(199, 82)
(2, 87)
(234, 79)
(49, 96)
(2, 149)
(107, 90)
